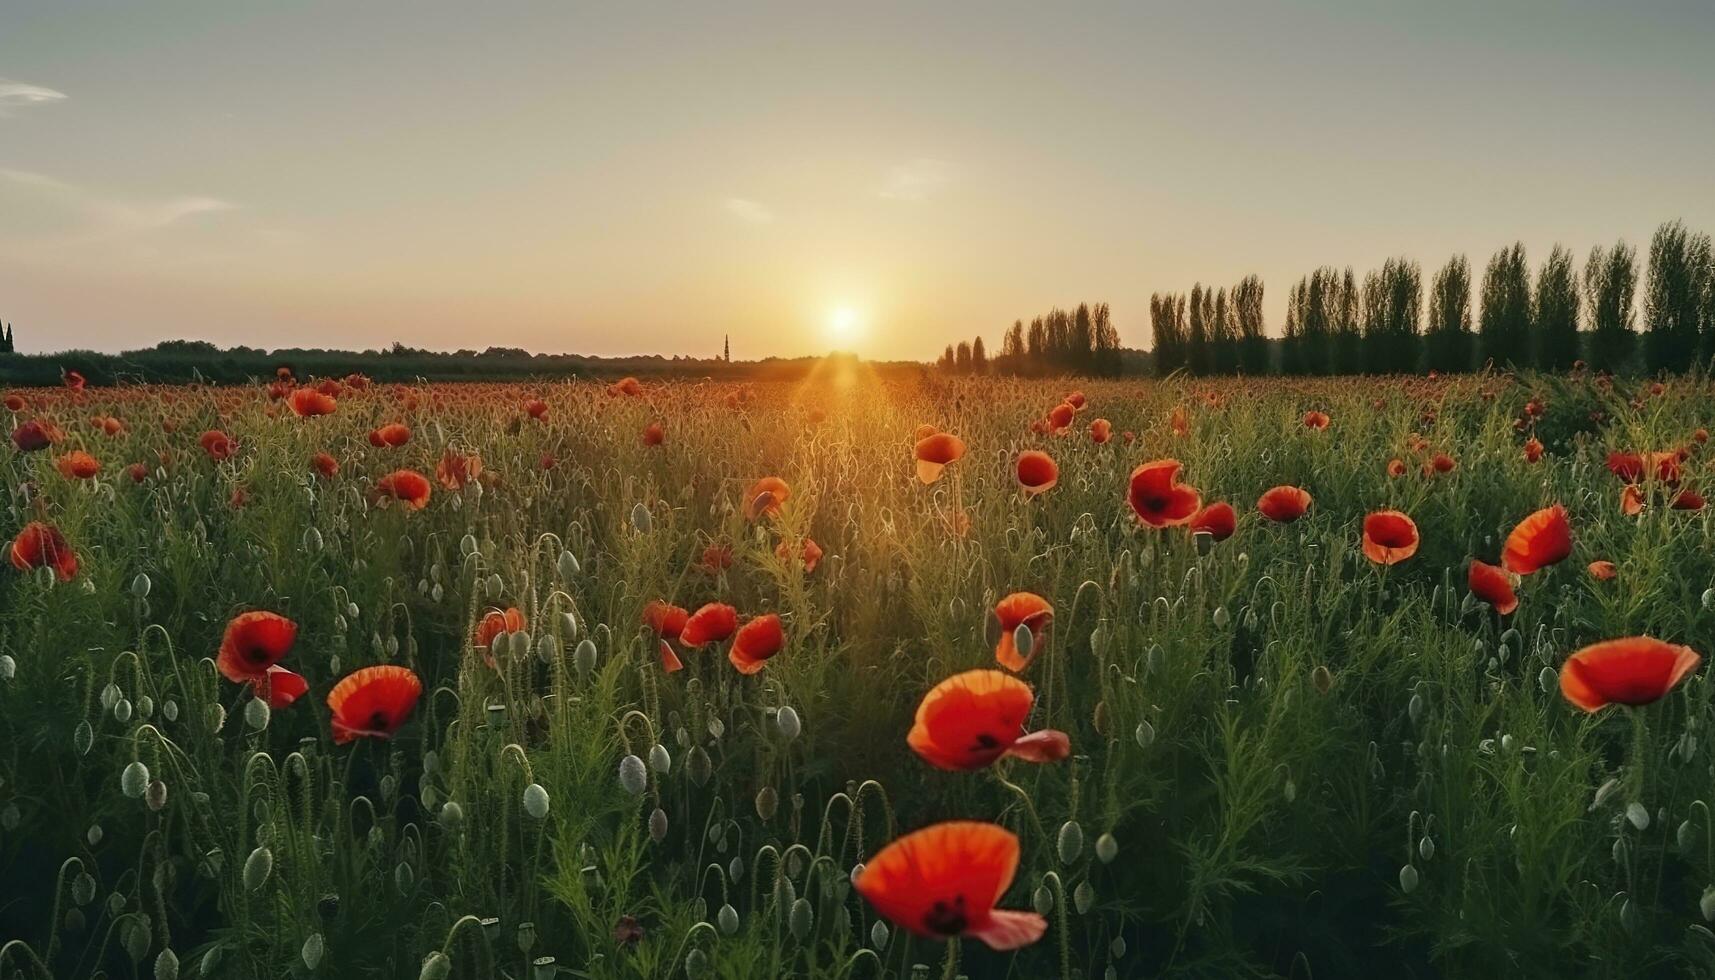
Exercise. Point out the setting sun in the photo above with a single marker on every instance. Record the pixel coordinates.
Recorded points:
(844, 325)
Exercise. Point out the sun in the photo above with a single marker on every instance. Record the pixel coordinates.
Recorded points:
(844, 325)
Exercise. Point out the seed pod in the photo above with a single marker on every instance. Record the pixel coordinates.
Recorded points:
(1408, 879)
(134, 780)
(658, 825)
(312, 952)
(767, 801)
(542, 967)
(257, 867)
(659, 759)
(1070, 841)
(641, 519)
(1107, 848)
(1023, 639)
(788, 723)
(633, 777)
(536, 801)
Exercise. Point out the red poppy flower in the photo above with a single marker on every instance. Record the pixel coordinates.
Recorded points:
(1037, 472)
(308, 402)
(670, 661)
(664, 619)
(408, 486)
(78, 465)
(765, 497)
(1603, 571)
(1179, 422)
(253, 642)
(1316, 420)
(717, 558)
(137, 472)
(496, 622)
(934, 453)
(392, 435)
(1217, 519)
(373, 702)
(455, 470)
(1101, 430)
(1021, 609)
(41, 545)
(944, 880)
(712, 623)
(35, 435)
(1284, 504)
(1075, 399)
(811, 554)
(1158, 498)
(924, 431)
(971, 719)
(755, 642)
(625, 386)
(1493, 585)
(1631, 500)
(1396, 467)
(16, 403)
(1060, 416)
(324, 464)
(536, 408)
(1634, 671)
(654, 435)
(1540, 540)
(1632, 467)
(1687, 499)
(1390, 537)
(279, 687)
(1532, 450)
(1443, 463)
(218, 445)
(74, 381)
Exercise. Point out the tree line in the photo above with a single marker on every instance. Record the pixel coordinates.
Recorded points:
(1549, 318)
(1082, 341)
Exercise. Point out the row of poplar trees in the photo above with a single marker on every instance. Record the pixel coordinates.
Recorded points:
(1082, 341)
(1337, 324)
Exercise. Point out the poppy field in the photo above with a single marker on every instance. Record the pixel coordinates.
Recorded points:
(859, 678)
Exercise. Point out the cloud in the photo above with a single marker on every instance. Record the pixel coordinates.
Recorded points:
(18, 95)
(50, 210)
(916, 180)
(745, 209)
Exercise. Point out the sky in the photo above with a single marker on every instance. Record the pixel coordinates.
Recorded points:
(884, 177)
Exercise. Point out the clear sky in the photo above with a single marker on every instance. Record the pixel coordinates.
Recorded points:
(617, 178)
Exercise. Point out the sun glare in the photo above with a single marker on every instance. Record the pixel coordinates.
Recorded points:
(844, 325)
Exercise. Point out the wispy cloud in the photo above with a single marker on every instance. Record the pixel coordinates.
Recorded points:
(20, 95)
(66, 212)
(917, 180)
(745, 209)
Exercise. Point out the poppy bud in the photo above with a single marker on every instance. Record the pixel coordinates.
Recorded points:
(1414, 708)
(328, 907)
(585, 656)
(1638, 815)
(312, 951)
(1083, 897)
(1709, 598)
(800, 920)
(633, 778)
(767, 802)
(568, 564)
(536, 801)
(156, 796)
(257, 867)
(452, 815)
(312, 539)
(256, 714)
(1107, 848)
(698, 766)
(122, 711)
(696, 963)
(167, 965)
(134, 936)
(83, 737)
(1408, 879)
(1603, 792)
(140, 586)
(1706, 904)
(134, 780)
(1290, 790)
(1070, 841)
(436, 966)
(641, 519)
(717, 728)
(1221, 617)
(404, 877)
(788, 723)
(1145, 734)
(735, 869)
(659, 759)
(727, 919)
(546, 648)
(1322, 679)
(1426, 847)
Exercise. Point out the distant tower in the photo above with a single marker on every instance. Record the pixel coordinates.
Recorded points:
(726, 348)
(6, 341)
